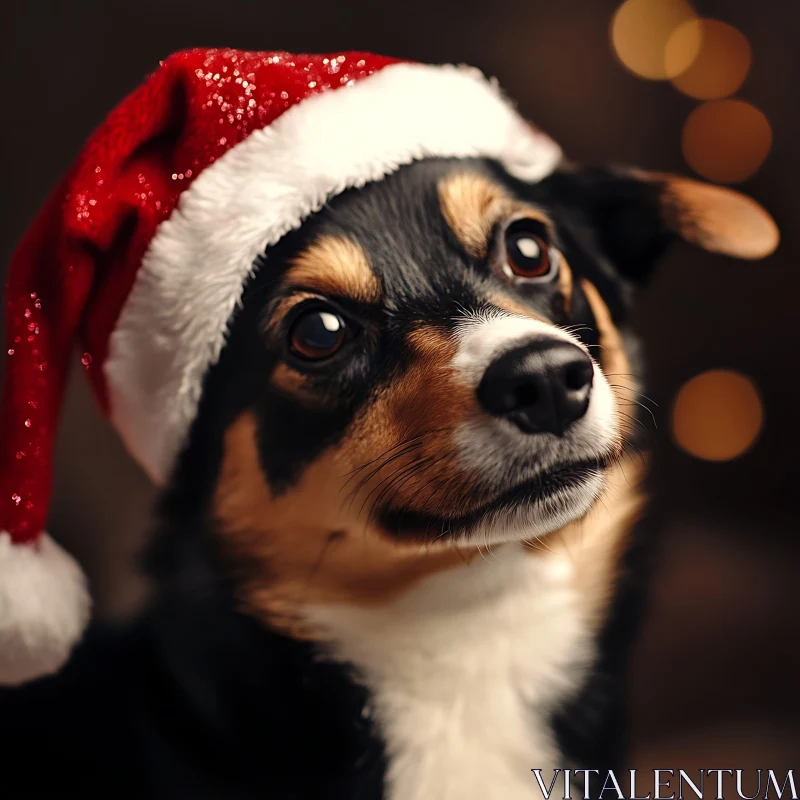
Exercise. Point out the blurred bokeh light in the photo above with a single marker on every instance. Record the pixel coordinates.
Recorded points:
(707, 59)
(717, 415)
(726, 140)
(640, 31)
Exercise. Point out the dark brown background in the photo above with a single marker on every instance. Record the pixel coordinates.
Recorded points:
(717, 669)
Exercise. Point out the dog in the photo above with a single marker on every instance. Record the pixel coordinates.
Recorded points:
(398, 556)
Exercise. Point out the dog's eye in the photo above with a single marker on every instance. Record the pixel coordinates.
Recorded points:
(317, 334)
(527, 252)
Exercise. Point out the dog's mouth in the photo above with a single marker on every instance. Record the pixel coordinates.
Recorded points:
(554, 496)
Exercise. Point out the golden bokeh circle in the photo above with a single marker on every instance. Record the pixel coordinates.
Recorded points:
(640, 30)
(683, 47)
(707, 59)
(726, 140)
(717, 415)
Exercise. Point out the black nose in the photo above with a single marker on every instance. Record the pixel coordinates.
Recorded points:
(541, 387)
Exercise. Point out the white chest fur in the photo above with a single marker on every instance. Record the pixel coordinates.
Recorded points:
(465, 670)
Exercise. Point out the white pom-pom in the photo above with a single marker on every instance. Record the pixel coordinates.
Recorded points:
(44, 608)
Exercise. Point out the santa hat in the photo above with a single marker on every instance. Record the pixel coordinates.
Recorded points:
(141, 254)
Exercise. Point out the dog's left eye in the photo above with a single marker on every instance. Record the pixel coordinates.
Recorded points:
(528, 254)
(317, 334)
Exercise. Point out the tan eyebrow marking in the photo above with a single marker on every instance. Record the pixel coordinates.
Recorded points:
(471, 205)
(335, 265)
(331, 265)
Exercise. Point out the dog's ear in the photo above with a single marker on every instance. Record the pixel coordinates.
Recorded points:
(637, 213)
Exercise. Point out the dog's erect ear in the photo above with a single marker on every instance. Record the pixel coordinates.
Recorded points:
(636, 213)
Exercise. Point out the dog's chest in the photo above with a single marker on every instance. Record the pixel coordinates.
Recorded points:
(464, 672)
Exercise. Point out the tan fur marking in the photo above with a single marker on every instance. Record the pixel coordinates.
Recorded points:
(290, 381)
(716, 218)
(613, 358)
(565, 284)
(720, 219)
(471, 205)
(424, 406)
(308, 545)
(335, 265)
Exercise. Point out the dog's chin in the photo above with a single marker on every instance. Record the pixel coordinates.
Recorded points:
(531, 509)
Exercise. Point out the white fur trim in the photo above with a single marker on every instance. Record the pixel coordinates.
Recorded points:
(173, 326)
(44, 608)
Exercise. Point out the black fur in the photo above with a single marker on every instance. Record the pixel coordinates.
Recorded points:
(195, 700)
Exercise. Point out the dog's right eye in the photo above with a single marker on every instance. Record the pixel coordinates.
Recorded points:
(317, 334)
(528, 253)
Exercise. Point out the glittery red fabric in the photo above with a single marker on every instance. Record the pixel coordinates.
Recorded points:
(75, 267)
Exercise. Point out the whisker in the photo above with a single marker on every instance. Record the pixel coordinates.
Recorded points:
(536, 544)
(637, 451)
(632, 389)
(478, 547)
(574, 328)
(632, 401)
(382, 455)
(392, 476)
(632, 419)
(427, 468)
(397, 485)
(364, 480)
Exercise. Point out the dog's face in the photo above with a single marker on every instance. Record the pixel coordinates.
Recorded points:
(423, 332)
(435, 361)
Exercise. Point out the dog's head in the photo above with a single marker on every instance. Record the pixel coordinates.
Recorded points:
(438, 360)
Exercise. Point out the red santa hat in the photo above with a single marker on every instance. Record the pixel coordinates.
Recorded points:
(141, 254)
